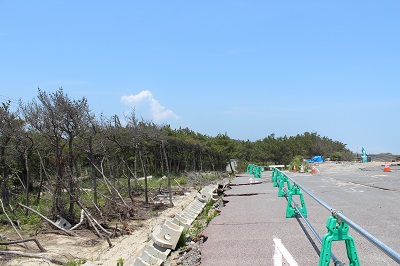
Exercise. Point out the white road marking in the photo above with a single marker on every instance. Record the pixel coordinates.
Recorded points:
(284, 252)
(355, 190)
(277, 257)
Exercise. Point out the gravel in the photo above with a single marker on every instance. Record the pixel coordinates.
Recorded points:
(191, 256)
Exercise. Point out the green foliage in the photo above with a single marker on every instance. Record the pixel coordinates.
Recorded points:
(202, 220)
(88, 195)
(113, 148)
(298, 161)
(120, 262)
(182, 180)
(282, 150)
(211, 216)
(210, 177)
(33, 221)
(182, 239)
(336, 156)
(196, 228)
(207, 207)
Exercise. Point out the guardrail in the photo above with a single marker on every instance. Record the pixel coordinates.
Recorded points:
(337, 224)
(255, 170)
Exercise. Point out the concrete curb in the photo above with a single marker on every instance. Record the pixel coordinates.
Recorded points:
(166, 237)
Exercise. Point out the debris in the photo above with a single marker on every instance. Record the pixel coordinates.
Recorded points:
(23, 241)
(48, 220)
(61, 222)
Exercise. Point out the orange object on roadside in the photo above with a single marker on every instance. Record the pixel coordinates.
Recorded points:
(294, 169)
(313, 170)
(387, 168)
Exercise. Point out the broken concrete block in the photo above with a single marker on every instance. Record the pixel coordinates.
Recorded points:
(196, 204)
(205, 194)
(190, 215)
(182, 222)
(215, 197)
(158, 252)
(201, 197)
(173, 225)
(61, 222)
(150, 259)
(195, 211)
(166, 237)
(140, 262)
(190, 212)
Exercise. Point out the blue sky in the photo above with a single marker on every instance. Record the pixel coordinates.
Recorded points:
(245, 68)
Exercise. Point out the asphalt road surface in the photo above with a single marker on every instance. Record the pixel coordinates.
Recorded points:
(252, 228)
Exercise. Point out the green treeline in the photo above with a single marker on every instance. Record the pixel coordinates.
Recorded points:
(55, 146)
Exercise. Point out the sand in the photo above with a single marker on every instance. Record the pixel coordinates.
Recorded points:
(96, 251)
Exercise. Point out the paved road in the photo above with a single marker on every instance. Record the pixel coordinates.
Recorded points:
(252, 228)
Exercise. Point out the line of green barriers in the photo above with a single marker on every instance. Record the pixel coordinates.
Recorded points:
(255, 170)
(337, 229)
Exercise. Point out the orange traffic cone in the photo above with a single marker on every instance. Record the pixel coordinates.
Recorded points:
(387, 168)
(313, 170)
(294, 169)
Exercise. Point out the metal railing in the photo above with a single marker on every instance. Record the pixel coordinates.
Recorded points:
(375, 241)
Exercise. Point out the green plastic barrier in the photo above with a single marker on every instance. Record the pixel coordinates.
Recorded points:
(337, 231)
(283, 179)
(274, 177)
(257, 171)
(290, 210)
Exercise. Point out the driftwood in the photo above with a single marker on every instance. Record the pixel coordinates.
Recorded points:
(48, 220)
(11, 222)
(23, 241)
(21, 254)
(9, 239)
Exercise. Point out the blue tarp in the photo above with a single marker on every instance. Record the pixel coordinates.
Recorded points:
(316, 159)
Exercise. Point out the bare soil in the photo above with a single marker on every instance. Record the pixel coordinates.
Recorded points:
(94, 250)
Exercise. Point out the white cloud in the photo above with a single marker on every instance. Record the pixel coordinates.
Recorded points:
(145, 100)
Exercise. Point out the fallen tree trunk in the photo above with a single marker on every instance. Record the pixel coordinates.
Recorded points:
(23, 241)
(92, 219)
(21, 254)
(11, 222)
(48, 220)
(108, 183)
